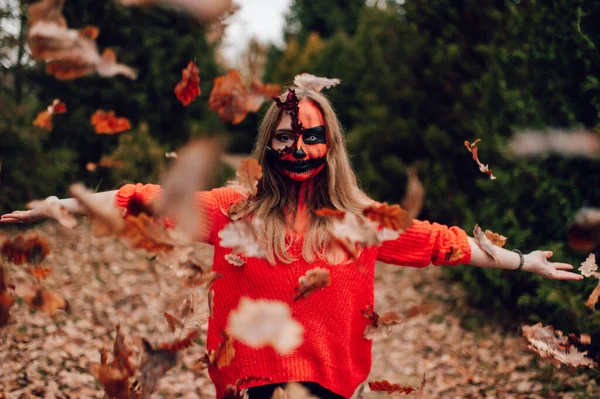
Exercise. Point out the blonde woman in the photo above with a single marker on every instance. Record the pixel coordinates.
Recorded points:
(305, 167)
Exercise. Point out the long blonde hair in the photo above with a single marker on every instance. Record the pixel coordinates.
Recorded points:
(334, 187)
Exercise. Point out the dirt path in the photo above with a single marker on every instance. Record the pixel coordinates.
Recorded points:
(105, 284)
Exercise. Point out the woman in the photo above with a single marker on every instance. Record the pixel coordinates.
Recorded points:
(305, 167)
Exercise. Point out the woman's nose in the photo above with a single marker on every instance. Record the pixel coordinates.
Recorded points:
(299, 153)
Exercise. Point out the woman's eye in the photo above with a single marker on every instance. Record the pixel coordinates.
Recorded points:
(283, 137)
(312, 138)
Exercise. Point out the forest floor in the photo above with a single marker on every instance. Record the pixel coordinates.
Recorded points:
(106, 284)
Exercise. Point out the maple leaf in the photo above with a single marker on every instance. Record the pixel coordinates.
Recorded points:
(307, 81)
(472, 147)
(54, 210)
(189, 86)
(495, 238)
(108, 123)
(387, 387)
(593, 298)
(548, 342)
(44, 118)
(588, 266)
(104, 218)
(47, 301)
(584, 231)
(242, 237)
(220, 357)
(484, 243)
(414, 194)
(30, 248)
(314, 279)
(389, 217)
(6, 300)
(265, 323)
(248, 174)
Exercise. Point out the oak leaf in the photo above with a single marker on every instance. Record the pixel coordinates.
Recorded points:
(189, 87)
(495, 238)
(548, 342)
(307, 81)
(265, 323)
(588, 266)
(314, 279)
(484, 243)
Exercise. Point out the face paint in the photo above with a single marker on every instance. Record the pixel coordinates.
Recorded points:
(301, 145)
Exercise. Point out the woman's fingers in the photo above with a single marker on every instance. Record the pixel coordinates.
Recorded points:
(563, 266)
(16, 217)
(562, 275)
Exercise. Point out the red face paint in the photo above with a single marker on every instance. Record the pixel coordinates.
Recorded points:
(301, 151)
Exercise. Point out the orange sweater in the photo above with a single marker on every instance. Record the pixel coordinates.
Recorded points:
(334, 352)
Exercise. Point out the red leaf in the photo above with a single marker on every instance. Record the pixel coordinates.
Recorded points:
(189, 86)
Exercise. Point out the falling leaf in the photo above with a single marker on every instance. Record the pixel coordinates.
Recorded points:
(108, 123)
(189, 86)
(472, 147)
(44, 118)
(307, 81)
(6, 300)
(314, 279)
(380, 326)
(38, 272)
(389, 216)
(180, 344)
(234, 260)
(202, 11)
(584, 231)
(172, 321)
(54, 210)
(47, 301)
(248, 174)
(328, 212)
(588, 266)
(484, 243)
(104, 217)
(573, 143)
(593, 298)
(389, 388)
(30, 248)
(259, 93)
(548, 342)
(495, 238)
(265, 323)
(242, 237)
(414, 195)
(220, 357)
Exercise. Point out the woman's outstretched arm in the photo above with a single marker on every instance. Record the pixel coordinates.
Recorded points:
(534, 262)
(71, 204)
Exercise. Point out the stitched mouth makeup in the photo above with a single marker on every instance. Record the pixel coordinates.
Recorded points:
(301, 166)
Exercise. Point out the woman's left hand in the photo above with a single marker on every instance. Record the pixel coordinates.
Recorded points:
(537, 262)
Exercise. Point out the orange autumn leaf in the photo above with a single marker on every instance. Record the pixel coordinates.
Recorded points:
(454, 254)
(39, 272)
(248, 174)
(47, 301)
(595, 294)
(189, 86)
(220, 357)
(6, 300)
(44, 118)
(389, 216)
(328, 212)
(472, 147)
(31, 249)
(484, 243)
(387, 387)
(497, 239)
(108, 123)
(259, 92)
(314, 279)
(144, 232)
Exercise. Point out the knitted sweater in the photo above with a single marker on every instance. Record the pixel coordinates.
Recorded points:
(334, 352)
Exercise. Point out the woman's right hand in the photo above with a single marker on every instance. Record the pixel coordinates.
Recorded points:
(31, 215)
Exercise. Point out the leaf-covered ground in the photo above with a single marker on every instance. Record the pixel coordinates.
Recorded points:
(106, 284)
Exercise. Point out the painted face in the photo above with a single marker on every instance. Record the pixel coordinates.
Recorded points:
(302, 156)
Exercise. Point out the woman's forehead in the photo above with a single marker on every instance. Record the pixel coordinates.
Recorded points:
(310, 116)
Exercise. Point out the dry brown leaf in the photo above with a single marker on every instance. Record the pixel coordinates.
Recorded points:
(30, 248)
(389, 388)
(265, 323)
(172, 321)
(380, 326)
(389, 216)
(248, 174)
(234, 260)
(495, 238)
(47, 301)
(415, 194)
(104, 218)
(548, 342)
(38, 272)
(314, 279)
(588, 266)
(220, 357)
(484, 243)
(307, 81)
(188, 87)
(54, 210)
(472, 147)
